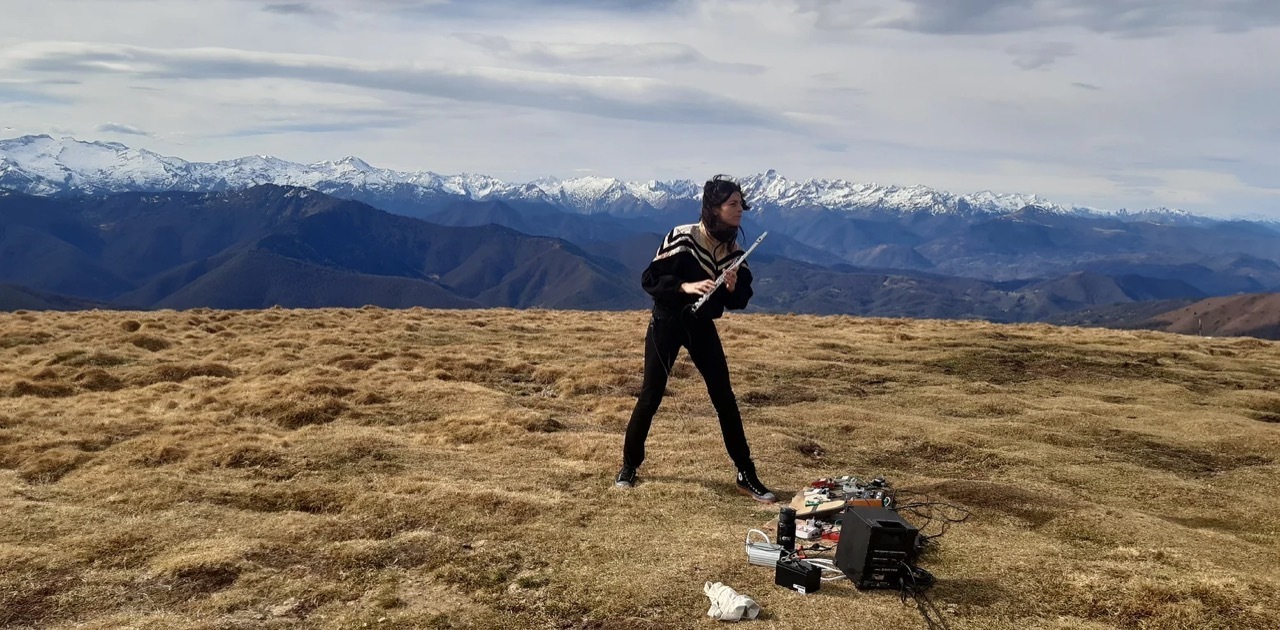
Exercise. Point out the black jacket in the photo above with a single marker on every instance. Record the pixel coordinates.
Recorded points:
(689, 254)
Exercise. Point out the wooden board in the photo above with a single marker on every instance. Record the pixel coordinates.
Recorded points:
(810, 511)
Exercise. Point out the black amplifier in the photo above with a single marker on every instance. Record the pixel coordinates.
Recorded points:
(876, 545)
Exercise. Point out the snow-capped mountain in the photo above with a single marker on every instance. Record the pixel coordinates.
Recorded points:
(43, 165)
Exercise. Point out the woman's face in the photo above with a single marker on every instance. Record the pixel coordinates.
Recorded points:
(731, 210)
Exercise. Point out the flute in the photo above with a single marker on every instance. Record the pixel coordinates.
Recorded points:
(733, 265)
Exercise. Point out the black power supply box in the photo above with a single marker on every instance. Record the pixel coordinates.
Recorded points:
(798, 575)
(876, 546)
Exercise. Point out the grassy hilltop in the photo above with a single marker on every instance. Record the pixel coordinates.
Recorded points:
(343, 468)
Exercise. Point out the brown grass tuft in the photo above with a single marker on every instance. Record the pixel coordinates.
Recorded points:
(150, 342)
(156, 455)
(247, 456)
(371, 398)
(51, 465)
(47, 374)
(130, 325)
(179, 372)
(192, 578)
(15, 339)
(81, 358)
(41, 390)
(97, 380)
(544, 425)
(295, 413)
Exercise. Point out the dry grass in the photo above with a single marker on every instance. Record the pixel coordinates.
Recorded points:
(344, 468)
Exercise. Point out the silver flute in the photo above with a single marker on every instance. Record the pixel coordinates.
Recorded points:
(734, 265)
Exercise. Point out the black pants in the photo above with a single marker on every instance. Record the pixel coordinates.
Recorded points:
(662, 344)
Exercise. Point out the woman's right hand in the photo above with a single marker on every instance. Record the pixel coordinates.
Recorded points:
(698, 288)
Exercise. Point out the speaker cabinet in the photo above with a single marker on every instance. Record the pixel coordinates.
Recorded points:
(875, 546)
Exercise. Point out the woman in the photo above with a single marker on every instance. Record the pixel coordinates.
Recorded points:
(684, 269)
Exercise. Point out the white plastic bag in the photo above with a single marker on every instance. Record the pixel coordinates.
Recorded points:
(728, 605)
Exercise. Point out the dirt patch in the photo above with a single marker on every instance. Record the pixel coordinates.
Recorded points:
(198, 581)
(1265, 411)
(811, 448)
(1149, 452)
(281, 498)
(522, 377)
(30, 600)
(1025, 363)
(778, 397)
(1036, 508)
(932, 456)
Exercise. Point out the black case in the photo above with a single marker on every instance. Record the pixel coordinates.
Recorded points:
(797, 575)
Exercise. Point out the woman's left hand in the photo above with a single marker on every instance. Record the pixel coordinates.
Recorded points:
(731, 279)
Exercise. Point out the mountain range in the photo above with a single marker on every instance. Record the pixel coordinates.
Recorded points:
(101, 223)
(42, 165)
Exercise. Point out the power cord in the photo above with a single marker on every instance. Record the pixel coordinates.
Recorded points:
(914, 587)
(929, 511)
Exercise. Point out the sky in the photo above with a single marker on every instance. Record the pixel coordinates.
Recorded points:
(1108, 104)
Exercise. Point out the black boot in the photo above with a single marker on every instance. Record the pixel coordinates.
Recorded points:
(626, 477)
(750, 485)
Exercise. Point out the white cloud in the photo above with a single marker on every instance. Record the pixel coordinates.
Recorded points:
(1040, 55)
(128, 130)
(1127, 105)
(574, 54)
(632, 98)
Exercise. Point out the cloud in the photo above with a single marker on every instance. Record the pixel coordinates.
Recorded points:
(317, 127)
(15, 92)
(112, 127)
(1124, 17)
(326, 119)
(619, 97)
(1086, 86)
(501, 10)
(627, 6)
(1039, 55)
(294, 8)
(574, 54)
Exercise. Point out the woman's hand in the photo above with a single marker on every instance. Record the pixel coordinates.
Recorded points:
(697, 288)
(731, 279)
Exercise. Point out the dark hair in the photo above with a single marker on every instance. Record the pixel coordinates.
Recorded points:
(715, 192)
